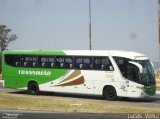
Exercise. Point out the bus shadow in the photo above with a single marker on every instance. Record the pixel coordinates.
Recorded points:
(93, 97)
(63, 95)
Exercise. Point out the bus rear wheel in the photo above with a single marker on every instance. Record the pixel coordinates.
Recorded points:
(110, 93)
(33, 88)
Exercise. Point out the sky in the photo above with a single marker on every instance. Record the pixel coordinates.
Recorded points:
(64, 25)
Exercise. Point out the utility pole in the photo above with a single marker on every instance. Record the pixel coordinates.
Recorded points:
(90, 32)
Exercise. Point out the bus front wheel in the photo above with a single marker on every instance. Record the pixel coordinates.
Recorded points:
(109, 93)
(33, 88)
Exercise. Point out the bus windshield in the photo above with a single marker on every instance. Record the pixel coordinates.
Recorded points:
(147, 76)
(131, 72)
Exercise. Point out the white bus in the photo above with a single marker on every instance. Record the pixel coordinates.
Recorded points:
(109, 73)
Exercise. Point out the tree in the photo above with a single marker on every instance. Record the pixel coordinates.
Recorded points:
(6, 37)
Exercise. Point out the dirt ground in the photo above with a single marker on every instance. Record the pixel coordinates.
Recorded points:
(158, 81)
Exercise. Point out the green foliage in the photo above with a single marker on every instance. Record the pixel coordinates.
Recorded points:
(6, 37)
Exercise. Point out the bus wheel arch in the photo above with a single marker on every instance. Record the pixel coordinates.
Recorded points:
(109, 92)
(33, 87)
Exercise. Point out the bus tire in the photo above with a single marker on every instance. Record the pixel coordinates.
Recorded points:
(33, 88)
(110, 93)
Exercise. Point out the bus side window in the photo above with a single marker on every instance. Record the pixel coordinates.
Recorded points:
(122, 64)
(29, 61)
(45, 64)
(68, 62)
(51, 62)
(77, 62)
(97, 63)
(87, 62)
(103, 67)
(101, 63)
(17, 64)
(105, 63)
(46, 61)
(83, 63)
(28, 64)
(25, 64)
(42, 61)
(12, 60)
(35, 64)
(65, 62)
(59, 62)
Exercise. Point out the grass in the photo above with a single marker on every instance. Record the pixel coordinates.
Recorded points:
(45, 103)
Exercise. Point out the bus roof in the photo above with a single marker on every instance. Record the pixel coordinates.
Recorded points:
(117, 53)
(128, 54)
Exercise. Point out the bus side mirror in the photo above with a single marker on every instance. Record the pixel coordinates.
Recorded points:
(138, 65)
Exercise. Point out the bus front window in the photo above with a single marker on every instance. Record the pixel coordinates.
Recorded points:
(131, 71)
(147, 76)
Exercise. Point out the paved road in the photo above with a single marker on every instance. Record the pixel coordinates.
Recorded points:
(17, 114)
